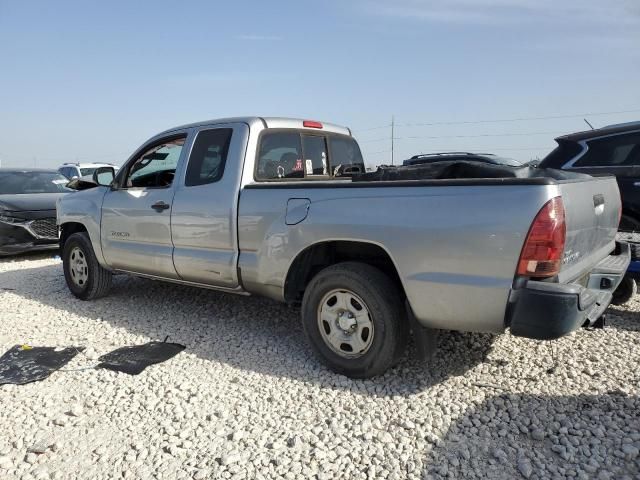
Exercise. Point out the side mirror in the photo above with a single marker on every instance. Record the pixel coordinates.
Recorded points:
(104, 176)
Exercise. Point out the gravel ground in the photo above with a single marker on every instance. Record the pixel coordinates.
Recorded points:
(246, 399)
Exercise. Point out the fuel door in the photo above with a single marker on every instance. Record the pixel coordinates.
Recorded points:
(297, 210)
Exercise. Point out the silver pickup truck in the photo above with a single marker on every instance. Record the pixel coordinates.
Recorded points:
(282, 208)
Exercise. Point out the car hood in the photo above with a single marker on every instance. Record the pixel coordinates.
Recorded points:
(29, 201)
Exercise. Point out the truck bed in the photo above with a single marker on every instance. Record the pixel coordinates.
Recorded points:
(590, 228)
(454, 241)
(449, 170)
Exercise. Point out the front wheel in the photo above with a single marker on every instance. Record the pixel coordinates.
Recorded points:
(85, 277)
(354, 319)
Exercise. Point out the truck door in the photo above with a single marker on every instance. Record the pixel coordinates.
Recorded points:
(205, 207)
(136, 212)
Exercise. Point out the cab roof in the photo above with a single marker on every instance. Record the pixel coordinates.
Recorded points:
(267, 122)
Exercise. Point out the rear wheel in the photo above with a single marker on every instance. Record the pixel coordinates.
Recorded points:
(85, 277)
(354, 319)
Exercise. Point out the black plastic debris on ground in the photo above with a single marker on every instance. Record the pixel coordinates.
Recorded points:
(24, 364)
(136, 358)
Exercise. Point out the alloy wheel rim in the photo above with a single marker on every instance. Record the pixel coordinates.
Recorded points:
(78, 267)
(345, 323)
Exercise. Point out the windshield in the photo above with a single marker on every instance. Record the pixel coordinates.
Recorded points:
(505, 161)
(87, 171)
(12, 183)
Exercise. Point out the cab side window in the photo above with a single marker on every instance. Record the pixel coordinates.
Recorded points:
(156, 167)
(208, 156)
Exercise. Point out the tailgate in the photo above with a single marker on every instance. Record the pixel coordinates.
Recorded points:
(592, 209)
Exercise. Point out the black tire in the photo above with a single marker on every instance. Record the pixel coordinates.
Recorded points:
(98, 279)
(625, 291)
(386, 313)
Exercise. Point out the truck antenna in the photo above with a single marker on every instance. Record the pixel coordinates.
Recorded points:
(587, 122)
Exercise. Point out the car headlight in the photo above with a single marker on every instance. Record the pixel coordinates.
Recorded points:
(8, 217)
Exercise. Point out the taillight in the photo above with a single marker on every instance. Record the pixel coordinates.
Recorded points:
(542, 252)
(619, 208)
(619, 217)
(311, 124)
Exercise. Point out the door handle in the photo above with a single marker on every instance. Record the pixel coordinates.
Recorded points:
(159, 206)
(598, 200)
(598, 203)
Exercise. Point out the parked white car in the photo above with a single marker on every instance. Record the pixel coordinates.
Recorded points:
(75, 170)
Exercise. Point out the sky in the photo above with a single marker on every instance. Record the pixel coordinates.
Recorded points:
(90, 81)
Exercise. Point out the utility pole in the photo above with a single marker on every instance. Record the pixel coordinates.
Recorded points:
(392, 128)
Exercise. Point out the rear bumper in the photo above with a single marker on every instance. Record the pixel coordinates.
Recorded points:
(545, 311)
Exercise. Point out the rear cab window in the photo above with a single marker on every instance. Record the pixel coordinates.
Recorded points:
(315, 155)
(347, 158)
(303, 155)
(280, 156)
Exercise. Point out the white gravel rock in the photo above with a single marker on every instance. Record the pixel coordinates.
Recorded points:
(537, 434)
(525, 468)
(630, 451)
(6, 462)
(40, 446)
(247, 399)
(40, 473)
(76, 410)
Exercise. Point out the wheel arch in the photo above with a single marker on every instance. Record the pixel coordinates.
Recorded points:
(322, 254)
(69, 228)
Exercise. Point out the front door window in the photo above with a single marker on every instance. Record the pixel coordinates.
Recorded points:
(156, 167)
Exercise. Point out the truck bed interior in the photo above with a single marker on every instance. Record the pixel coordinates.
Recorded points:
(447, 170)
